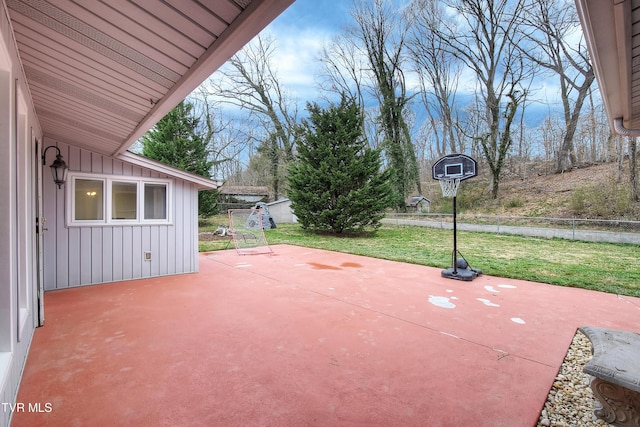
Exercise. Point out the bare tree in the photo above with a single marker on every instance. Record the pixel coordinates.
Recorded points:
(551, 133)
(439, 73)
(249, 81)
(367, 61)
(547, 32)
(593, 129)
(633, 169)
(481, 37)
(225, 139)
(382, 29)
(344, 69)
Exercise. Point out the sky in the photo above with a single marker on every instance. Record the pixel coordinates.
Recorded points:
(306, 26)
(301, 31)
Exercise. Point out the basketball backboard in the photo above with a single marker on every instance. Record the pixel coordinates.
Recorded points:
(455, 166)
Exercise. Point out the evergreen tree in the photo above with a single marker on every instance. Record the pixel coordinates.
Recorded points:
(336, 184)
(175, 141)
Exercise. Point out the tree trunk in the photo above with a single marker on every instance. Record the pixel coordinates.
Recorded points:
(633, 169)
(494, 184)
(619, 158)
(567, 157)
(593, 129)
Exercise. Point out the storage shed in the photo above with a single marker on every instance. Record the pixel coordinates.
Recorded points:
(418, 204)
(281, 211)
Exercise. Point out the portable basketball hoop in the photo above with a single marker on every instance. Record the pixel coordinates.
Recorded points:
(449, 186)
(450, 171)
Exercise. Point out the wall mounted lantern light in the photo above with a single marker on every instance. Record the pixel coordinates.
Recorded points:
(58, 167)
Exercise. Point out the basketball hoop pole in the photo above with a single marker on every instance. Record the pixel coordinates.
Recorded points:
(455, 239)
(450, 170)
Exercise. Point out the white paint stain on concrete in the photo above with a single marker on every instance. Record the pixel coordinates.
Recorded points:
(507, 286)
(450, 291)
(449, 335)
(487, 302)
(492, 289)
(502, 354)
(442, 302)
(518, 320)
(243, 265)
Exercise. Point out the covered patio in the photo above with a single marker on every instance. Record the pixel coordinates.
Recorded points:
(305, 337)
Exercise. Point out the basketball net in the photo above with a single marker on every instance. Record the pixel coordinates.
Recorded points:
(449, 186)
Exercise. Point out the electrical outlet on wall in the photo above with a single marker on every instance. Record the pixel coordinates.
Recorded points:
(147, 256)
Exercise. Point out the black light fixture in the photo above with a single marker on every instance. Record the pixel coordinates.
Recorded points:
(58, 167)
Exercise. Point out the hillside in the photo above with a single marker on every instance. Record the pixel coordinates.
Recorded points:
(586, 192)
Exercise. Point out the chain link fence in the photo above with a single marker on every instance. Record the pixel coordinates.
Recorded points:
(596, 230)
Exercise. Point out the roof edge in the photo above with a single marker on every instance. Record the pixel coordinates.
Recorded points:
(600, 27)
(201, 182)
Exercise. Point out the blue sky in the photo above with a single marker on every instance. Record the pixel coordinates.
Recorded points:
(301, 31)
(307, 25)
(316, 14)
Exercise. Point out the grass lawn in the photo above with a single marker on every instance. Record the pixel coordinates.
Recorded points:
(607, 267)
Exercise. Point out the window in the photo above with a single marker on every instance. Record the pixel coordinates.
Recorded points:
(124, 200)
(155, 201)
(127, 201)
(89, 199)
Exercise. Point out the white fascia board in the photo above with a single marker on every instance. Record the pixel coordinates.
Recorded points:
(599, 28)
(201, 182)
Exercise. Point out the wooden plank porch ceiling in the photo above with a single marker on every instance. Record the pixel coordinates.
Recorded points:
(101, 73)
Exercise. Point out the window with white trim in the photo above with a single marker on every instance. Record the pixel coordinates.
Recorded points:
(110, 200)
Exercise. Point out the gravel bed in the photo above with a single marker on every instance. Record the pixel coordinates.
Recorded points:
(570, 400)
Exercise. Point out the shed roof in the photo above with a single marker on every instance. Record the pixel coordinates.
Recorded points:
(279, 201)
(415, 200)
(245, 190)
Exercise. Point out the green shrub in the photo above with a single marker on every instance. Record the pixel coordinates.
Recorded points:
(514, 203)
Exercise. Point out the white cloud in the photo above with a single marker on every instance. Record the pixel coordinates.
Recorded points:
(301, 33)
(296, 61)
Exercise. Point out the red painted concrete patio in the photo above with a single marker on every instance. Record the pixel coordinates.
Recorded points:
(306, 337)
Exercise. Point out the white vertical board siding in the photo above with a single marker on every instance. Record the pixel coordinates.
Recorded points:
(78, 256)
(163, 256)
(18, 300)
(127, 253)
(107, 254)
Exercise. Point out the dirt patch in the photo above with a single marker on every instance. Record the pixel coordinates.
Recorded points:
(209, 236)
(550, 195)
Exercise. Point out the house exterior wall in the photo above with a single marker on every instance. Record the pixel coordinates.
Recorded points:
(87, 255)
(19, 129)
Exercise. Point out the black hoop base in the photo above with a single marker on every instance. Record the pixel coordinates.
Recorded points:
(466, 274)
(461, 270)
